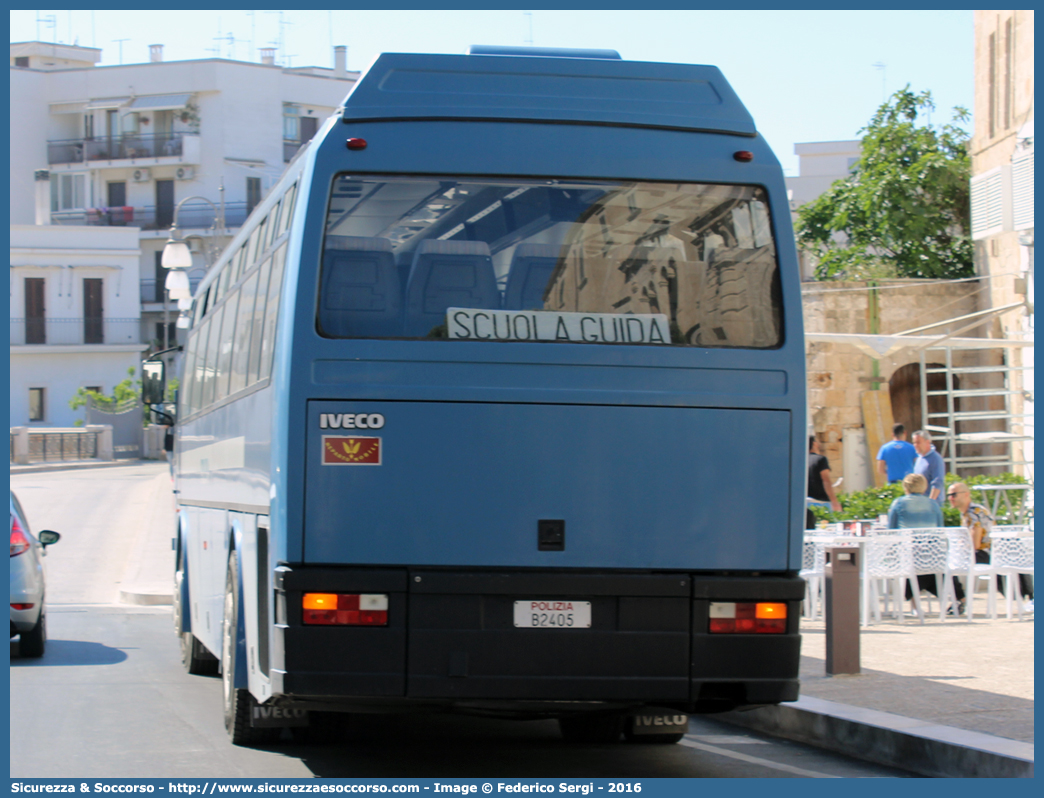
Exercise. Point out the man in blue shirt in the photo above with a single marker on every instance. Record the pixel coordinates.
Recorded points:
(930, 465)
(896, 458)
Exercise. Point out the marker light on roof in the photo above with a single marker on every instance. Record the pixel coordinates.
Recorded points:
(345, 609)
(743, 156)
(357, 144)
(727, 617)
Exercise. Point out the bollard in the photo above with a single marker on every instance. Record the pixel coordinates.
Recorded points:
(841, 589)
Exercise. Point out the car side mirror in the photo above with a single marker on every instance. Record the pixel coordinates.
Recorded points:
(47, 537)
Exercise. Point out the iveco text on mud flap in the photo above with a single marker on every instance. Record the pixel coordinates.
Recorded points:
(499, 425)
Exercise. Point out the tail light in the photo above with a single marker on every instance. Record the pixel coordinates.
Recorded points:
(19, 540)
(727, 617)
(345, 609)
(22, 606)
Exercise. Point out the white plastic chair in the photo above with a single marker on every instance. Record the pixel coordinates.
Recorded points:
(889, 557)
(1011, 556)
(813, 569)
(931, 556)
(962, 562)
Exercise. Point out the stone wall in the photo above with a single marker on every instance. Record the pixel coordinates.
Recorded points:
(838, 374)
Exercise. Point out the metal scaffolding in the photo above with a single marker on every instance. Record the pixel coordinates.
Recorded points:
(987, 407)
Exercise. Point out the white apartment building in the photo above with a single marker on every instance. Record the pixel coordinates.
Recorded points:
(820, 163)
(123, 148)
(75, 317)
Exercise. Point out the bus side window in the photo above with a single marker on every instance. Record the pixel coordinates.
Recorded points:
(271, 313)
(272, 231)
(257, 322)
(258, 240)
(239, 260)
(195, 399)
(210, 369)
(288, 209)
(185, 392)
(220, 284)
(224, 361)
(244, 328)
(201, 307)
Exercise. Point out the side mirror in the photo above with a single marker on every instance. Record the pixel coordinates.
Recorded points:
(153, 382)
(47, 537)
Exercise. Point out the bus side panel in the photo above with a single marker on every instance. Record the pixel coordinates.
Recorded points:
(468, 483)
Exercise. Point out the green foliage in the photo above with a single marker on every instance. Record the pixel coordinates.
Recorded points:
(905, 209)
(125, 393)
(872, 502)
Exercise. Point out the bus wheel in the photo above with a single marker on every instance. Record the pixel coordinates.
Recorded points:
(194, 655)
(592, 728)
(239, 704)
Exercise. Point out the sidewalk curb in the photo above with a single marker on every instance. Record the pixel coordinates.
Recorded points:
(145, 598)
(74, 465)
(929, 749)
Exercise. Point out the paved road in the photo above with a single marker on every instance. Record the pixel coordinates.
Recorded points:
(109, 699)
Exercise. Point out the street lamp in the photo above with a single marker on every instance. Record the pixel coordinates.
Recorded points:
(177, 259)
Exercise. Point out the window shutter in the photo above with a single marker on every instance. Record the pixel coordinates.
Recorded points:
(1022, 190)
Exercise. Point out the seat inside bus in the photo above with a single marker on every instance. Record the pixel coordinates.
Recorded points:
(448, 274)
(531, 268)
(362, 292)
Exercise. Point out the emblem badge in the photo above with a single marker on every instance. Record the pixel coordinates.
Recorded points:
(351, 450)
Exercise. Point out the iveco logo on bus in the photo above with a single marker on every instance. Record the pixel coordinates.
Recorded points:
(351, 421)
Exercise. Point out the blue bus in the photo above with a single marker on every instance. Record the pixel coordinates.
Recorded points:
(496, 404)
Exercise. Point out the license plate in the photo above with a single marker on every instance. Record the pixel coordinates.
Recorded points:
(552, 614)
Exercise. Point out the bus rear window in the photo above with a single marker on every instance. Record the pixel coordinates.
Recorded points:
(688, 264)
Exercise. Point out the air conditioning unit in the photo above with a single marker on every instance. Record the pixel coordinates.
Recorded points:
(185, 173)
(142, 176)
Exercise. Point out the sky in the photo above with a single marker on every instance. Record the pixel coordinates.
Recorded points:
(803, 75)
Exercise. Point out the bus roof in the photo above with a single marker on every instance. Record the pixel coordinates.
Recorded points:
(581, 90)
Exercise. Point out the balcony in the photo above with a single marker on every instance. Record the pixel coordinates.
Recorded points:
(177, 147)
(193, 215)
(152, 290)
(290, 148)
(64, 332)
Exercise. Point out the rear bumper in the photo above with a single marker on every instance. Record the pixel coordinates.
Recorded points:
(451, 639)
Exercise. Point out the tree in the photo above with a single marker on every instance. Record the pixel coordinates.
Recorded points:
(905, 209)
(125, 393)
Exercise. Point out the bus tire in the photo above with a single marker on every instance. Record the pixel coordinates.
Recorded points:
(31, 644)
(594, 728)
(238, 703)
(195, 657)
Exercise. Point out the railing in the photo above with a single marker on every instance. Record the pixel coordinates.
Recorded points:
(191, 215)
(91, 330)
(51, 445)
(152, 290)
(114, 148)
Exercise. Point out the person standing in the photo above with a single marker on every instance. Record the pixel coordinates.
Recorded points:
(896, 458)
(820, 485)
(977, 520)
(930, 465)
